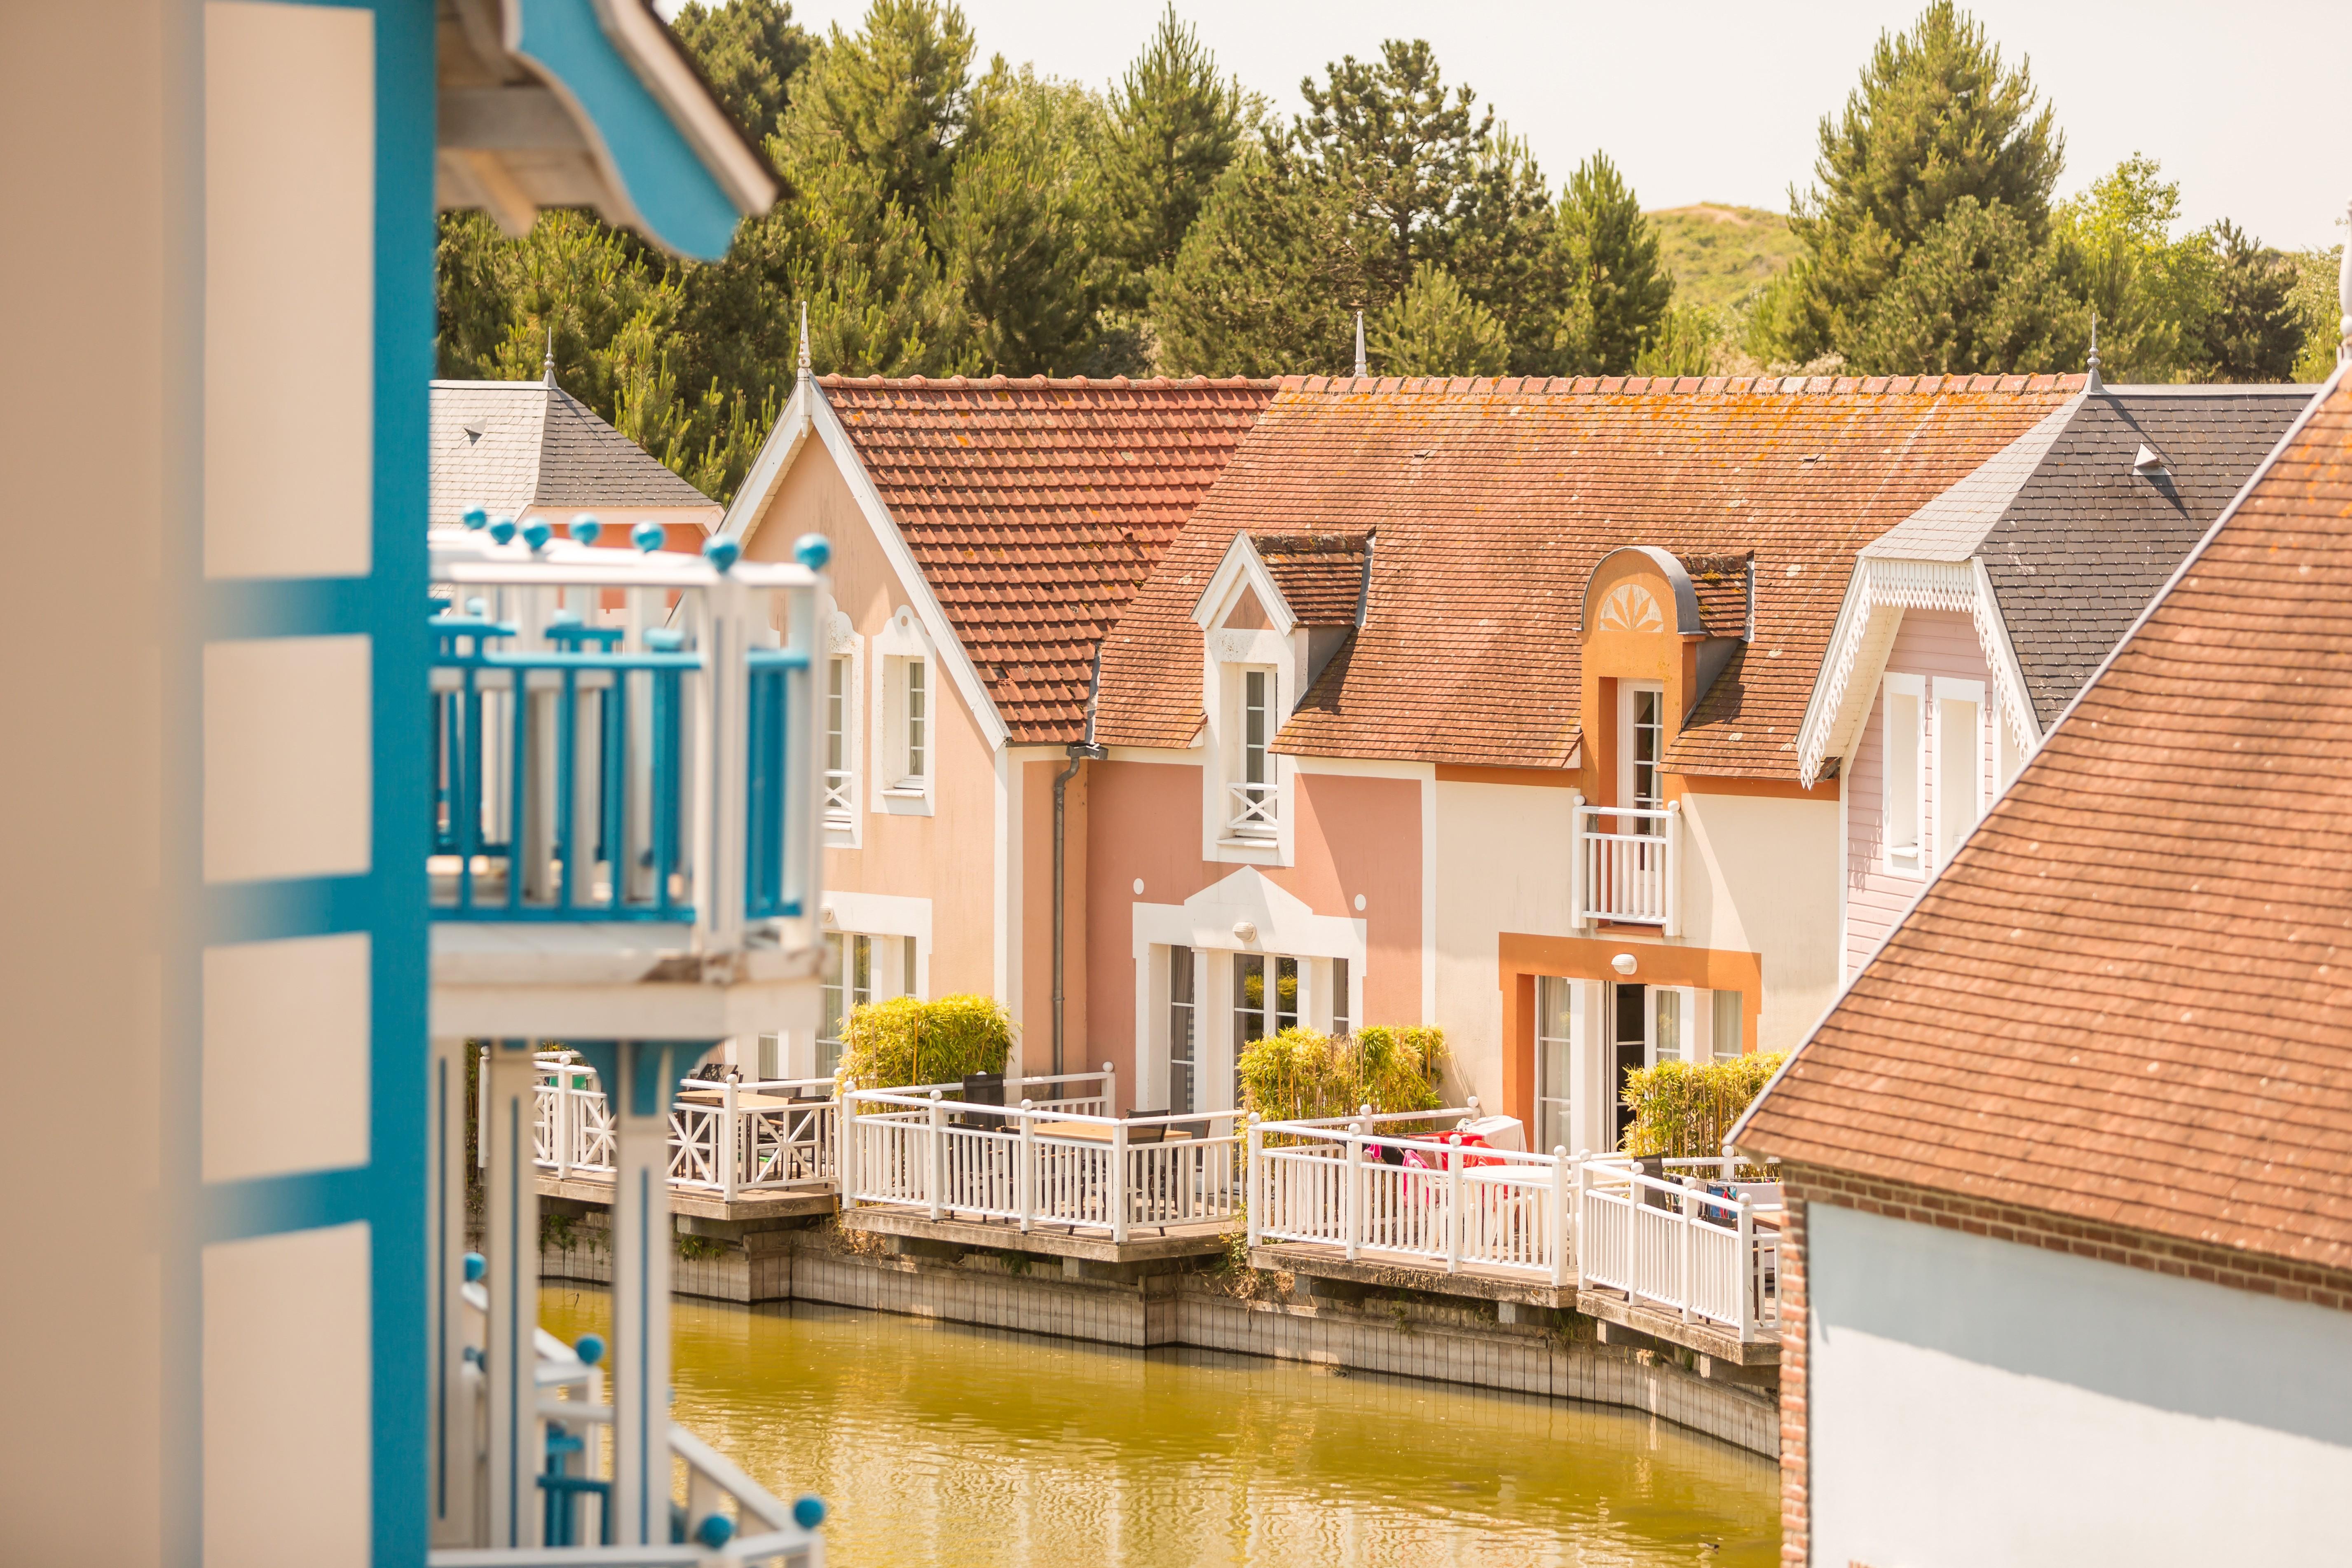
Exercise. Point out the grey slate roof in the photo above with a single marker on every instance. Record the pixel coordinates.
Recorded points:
(2075, 543)
(508, 445)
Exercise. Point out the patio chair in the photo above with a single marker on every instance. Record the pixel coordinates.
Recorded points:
(1139, 1137)
(983, 1089)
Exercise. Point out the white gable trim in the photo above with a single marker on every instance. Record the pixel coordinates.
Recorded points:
(1880, 590)
(1243, 564)
(809, 411)
(1284, 922)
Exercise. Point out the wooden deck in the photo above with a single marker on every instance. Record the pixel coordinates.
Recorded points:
(792, 1204)
(1144, 1244)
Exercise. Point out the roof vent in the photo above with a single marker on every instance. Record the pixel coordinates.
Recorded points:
(2150, 462)
(473, 432)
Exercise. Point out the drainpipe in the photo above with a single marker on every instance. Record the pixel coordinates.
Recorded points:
(1085, 751)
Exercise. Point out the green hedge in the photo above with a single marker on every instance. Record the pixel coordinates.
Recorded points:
(905, 1040)
(1301, 1074)
(1682, 1110)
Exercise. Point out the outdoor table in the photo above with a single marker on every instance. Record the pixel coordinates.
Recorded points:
(1093, 1132)
(745, 1100)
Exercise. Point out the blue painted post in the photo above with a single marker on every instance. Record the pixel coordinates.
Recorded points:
(510, 1241)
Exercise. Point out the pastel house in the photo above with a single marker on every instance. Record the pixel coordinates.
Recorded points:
(236, 846)
(2067, 1276)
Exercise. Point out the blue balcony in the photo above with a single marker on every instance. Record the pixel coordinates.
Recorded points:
(620, 736)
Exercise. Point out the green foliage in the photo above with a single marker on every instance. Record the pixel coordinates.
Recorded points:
(1263, 283)
(1720, 255)
(1619, 290)
(1175, 129)
(890, 101)
(1435, 329)
(1301, 1074)
(1938, 133)
(1685, 1110)
(749, 51)
(2253, 328)
(2317, 306)
(906, 1041)
(1689, 340)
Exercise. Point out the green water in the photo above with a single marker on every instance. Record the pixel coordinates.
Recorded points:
(943, 1446)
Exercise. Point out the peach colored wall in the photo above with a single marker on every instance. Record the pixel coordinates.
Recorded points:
(1355, 835)
(948, 858)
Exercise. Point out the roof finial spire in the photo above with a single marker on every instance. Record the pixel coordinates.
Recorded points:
(804, 348)
(548, 367)
(2344, 297)
(2092, 382)
(1360, 370)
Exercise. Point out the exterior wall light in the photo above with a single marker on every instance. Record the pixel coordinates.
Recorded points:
(1624, 963)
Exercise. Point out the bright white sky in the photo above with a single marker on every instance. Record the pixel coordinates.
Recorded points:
(2248, 104)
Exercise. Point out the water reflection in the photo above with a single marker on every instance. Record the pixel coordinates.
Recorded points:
(941, 1445)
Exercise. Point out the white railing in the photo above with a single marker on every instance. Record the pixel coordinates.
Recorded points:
(577, 1489)
(839, 808)
(1033, 1165)
(1706, 1252)
(1628, 870)
(1253, 810)
(725, 1138)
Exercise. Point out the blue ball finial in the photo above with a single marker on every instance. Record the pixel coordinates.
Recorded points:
(585, 528)
(646, 536)
(715, 1531)
(536, 533)
(590, 1348)
(477, 606)
(722, 553)
(475, 1267)
(502, 529)
(475, 517)
(813, 551)
(808, 1510)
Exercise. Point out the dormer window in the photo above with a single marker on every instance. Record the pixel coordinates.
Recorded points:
(1253, 796)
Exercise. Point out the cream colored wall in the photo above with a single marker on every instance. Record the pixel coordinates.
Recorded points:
(1760, 875)
(1502, 866)
(948, 856)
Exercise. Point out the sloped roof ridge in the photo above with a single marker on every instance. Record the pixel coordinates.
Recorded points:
(1653, 386)
(1954, 523)
(1035, 383)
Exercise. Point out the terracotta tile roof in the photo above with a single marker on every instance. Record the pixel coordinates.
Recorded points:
(2126, 999)
(1035, 506)
(1722, 583)
(1493, 500)
(1321, 575)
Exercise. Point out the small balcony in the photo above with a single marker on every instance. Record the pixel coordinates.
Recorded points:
(1626, 866)
(620, 736)
(1252, 810)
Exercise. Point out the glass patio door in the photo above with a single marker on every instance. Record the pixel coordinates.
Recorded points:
(1555, 1020)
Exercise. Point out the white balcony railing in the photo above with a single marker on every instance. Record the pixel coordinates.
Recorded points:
(839, 805)
(1707, 1253)
(1252, 813)
(1031, 1166)
(1625, 866)
(575, 1489)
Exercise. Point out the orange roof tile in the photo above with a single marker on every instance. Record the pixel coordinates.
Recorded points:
(1321, 575)
(1035, 507)
(2125, 1000)
(1493, 500)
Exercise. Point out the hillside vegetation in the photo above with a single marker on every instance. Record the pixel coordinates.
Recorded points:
(1720, 254)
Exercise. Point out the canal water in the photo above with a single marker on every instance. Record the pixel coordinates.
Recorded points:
(943, 1446)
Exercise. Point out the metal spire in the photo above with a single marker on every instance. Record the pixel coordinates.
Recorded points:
(2092, 381)
(1360, 370)
(804, 346)
(549, 366)
(2344, 297)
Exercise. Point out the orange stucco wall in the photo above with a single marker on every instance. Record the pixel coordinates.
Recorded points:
(1355, 835)
(948, 856)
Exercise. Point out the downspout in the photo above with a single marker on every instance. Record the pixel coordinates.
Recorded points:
(1084, 751)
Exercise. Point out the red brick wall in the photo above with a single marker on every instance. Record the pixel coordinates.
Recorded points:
(2002, 1222)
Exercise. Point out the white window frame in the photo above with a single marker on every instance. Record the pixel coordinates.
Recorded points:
(1960, 749)
(1629, 693)
(1903, 789)
(901, 649)
(1253, 765)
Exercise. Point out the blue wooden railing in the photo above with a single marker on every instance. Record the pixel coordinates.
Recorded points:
(572, 804)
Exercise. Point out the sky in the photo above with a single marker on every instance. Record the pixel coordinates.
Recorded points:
(2248, 104)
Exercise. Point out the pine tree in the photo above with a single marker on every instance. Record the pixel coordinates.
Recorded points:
(1401, 149)
(1937, 122)
(2253, 329)
(1175, 129)
(891, 99)
(749, 50)
(1019, 228)
(1503, 252)
(1268, 280)
(1435, 329)
(1618, 291)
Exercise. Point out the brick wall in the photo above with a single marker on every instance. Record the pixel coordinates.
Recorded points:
(1808, 1184)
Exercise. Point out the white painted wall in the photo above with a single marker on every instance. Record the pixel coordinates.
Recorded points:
(1501, 865)
(1976, 1402)
(1759, 875)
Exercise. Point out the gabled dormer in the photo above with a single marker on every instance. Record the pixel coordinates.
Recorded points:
(1275, 611)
